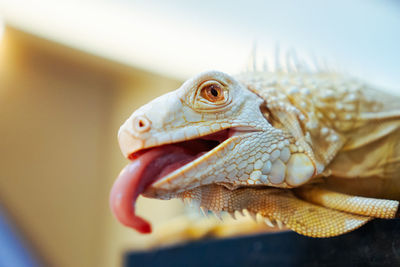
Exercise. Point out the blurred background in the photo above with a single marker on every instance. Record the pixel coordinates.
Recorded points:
(72, 71)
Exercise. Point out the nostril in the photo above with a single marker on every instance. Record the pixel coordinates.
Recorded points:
(141, 124)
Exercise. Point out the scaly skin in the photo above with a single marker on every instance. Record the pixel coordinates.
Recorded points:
(317, 152)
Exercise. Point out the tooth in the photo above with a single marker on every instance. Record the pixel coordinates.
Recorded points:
(250, 214)
(299, 169)
(232, 215)
(187, 201)
(279, 223)
(218, 215)
(278, 171)
(204, 211)
(253, 215)
(241, 212)
(238, 211)
(268, 222)
(196, 204)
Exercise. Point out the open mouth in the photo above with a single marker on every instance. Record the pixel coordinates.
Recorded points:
(150, 165)
(175, 155)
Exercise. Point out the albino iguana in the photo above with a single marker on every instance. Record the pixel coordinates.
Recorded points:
(316, 151)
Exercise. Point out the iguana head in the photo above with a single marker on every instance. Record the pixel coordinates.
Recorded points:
(213, 130)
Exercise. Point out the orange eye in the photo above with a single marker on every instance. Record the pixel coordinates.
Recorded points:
(213, 92)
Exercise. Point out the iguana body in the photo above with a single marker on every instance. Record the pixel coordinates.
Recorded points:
(317, 152)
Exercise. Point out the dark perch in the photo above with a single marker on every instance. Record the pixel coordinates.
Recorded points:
(375, 244)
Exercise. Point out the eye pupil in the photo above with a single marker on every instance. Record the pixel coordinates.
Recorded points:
(214, 92)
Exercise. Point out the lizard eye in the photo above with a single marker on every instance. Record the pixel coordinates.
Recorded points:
(213, 91)
(211, 95)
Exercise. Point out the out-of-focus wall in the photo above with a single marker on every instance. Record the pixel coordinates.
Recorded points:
(60, 110)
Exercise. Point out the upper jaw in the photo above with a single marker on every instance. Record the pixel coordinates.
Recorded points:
(130, 142)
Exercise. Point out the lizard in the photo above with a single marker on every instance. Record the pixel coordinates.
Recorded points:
(315, 151)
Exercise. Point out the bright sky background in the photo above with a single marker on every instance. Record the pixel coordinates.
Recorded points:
(179, 38)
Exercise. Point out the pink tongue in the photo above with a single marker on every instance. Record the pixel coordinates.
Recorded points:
(137, 176)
